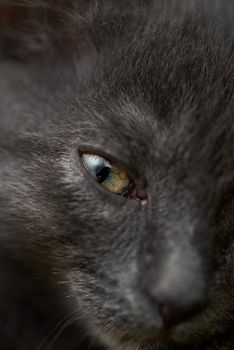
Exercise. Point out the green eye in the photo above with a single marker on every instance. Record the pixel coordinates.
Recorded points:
(110, 176)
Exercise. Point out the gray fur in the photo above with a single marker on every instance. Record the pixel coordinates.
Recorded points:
(150, 84)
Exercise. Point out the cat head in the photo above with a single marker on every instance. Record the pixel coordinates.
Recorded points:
(146, 93)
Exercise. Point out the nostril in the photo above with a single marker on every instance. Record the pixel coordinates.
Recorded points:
(174, 309)
(173, 315)
(166, 312)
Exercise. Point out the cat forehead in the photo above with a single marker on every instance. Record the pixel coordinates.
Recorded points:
(154, 89)
(133, 129)
(158, 98)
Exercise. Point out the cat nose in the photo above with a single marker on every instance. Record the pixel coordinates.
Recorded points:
(174, 312)
(178, 293)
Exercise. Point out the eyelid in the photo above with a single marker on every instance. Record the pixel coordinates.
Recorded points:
(124, 165)
(139, 181)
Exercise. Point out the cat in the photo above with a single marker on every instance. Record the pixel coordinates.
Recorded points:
(116, 175)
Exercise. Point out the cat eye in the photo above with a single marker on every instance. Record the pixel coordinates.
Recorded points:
(108, 175)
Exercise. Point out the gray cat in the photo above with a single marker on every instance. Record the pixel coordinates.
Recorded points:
(117, 174)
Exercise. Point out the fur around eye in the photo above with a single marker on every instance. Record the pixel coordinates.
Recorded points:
(107, 174)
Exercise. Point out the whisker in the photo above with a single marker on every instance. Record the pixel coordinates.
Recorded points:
(58, 329)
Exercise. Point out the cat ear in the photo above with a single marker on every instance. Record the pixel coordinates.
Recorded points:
(34, 28)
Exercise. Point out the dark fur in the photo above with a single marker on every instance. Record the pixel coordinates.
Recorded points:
(150, 84)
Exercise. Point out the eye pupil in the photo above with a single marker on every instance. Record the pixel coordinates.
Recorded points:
(110, 176)
(102, 174)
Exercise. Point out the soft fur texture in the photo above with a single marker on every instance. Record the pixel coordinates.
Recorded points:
(150, 84)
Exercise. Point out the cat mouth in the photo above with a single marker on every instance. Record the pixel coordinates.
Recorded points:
(182, 340)
(178, 338)
(198, 341)
(194, 343)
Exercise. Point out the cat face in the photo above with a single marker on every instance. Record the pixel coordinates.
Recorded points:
(152, 267)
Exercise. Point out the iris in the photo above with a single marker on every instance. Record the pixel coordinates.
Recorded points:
(110, 176)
